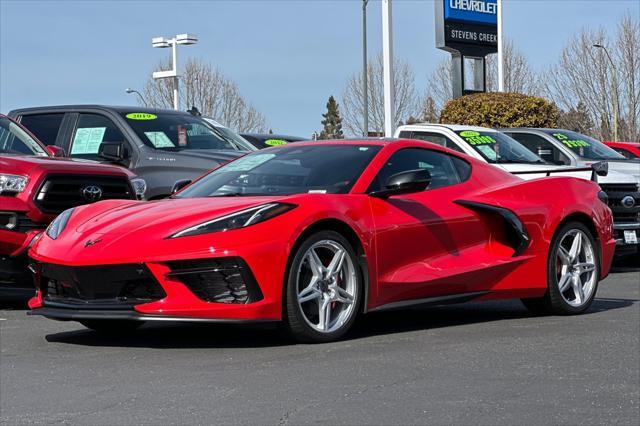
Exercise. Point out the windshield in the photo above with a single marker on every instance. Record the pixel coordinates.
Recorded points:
(15, 141)
(322, 169)
(231, 136)
(496, 147)
(177, 132)
(584, 146)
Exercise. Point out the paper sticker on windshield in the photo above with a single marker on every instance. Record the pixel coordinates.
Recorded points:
(245, 164)
(141, 116)
(469, 133)
(488, 152)
(87, 140)
(159, 139)
(275, 142)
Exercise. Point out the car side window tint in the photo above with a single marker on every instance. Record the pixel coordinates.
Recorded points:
(91, 131)
(445, 169)
(436, 138)
(541, 147)
(44, 126)
(624, 152)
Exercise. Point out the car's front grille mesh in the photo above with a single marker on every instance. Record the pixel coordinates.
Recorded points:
(61, 192)
(616, 194)
(221, 280)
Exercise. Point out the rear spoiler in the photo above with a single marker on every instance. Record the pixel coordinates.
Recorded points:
(600, 168)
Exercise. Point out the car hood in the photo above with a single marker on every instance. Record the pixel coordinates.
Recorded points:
(161, 217)
(615, 177)
(542, 168)
(25, 165)
(222, 156)
(626, 166)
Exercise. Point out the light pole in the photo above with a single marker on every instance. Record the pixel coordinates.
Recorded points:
(500, 49)
(614, 83)
(387, 62)
(162, 42)
(130, 90)
(365, 85)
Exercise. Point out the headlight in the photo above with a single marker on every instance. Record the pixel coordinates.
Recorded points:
(56, 227)
(12, 183)
(139, 186)
(236, 220)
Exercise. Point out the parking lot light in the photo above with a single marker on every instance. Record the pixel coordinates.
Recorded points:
(614, 83)
(163, 42)
(130, 90)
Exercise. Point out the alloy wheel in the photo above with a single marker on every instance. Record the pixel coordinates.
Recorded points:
(327, 286)
(575, 268)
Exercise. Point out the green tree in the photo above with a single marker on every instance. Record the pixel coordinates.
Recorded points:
(332, 123)
(577, 119)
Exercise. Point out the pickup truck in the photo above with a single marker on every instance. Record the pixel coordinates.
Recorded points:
(35, 186)
(160, 146)
(566, 147)
(513, 155)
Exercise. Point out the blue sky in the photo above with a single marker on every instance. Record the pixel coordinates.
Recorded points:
(286, 56)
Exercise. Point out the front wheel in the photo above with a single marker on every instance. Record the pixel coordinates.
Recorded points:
(324, 288)
(573, 272)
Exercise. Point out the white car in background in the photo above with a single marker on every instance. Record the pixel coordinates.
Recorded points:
(503, 151)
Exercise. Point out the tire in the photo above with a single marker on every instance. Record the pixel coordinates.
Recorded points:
(112, 326)
(333, 293)
(563, 267)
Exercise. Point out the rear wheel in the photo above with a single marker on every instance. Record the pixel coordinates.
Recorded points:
(573, 273)
(323, 293)
(112, 326)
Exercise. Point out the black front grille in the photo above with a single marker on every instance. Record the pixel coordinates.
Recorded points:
(616, 193)
(18, 222)
(222, 280)
(61, 192)
(98, 286)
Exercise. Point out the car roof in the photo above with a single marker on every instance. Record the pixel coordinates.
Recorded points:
(273, 136)
(116, 108)
(454, 127)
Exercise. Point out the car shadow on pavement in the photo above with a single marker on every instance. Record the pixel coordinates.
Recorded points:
(188, 335)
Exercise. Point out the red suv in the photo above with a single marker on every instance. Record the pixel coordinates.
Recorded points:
(35, 187)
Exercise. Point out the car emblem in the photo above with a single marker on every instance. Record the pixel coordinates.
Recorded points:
(628, 201)
(92, 242)
(91, 192)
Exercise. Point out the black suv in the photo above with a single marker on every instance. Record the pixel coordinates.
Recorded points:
(160, 146)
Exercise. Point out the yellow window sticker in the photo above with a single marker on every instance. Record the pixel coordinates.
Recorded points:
(141, 116)
(469, 133)
(275, 142)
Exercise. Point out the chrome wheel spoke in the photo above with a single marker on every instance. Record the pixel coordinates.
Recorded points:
(576, 246)
(564, 256)
(343, 296)
(584, 267)
(565, 282)
(336, 263)
(315, 264)
(311, 292)
(578, 291)
(324, 314)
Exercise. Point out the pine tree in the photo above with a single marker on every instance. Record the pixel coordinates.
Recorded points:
(430, 111)
(576, 119)
(332, 123)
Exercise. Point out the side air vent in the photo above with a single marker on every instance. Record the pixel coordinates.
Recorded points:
(515, 232)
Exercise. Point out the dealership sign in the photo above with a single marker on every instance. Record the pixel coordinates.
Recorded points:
(468, 27)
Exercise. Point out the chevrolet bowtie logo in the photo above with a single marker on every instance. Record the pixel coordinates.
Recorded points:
(92, 242)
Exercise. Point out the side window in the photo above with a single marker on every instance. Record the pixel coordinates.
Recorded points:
(436, 138)
(91, 131)
(445, 169)
(542, 148)
(44, 126)
(624, 152)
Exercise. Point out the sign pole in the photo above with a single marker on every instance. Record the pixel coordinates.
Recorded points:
(365, 83)
(500, 49)
(387, 59)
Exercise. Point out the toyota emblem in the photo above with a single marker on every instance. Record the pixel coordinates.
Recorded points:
(628, 201)
(91, 192)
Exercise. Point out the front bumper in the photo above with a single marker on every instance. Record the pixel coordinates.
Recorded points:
(623, 245)
(15, 278)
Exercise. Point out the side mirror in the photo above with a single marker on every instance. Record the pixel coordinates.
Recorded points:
(179, 185)
(405, 183)
(600, 168)
(112, 151)
(55, 151)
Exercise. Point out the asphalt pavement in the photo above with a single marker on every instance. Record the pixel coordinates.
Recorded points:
(478, 363)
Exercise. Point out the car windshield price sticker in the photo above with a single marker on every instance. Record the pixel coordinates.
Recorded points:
(87, 140)
(159, 139)
(247, 163)
(141, 116)
(476, 138)
(630, 237)
(571, 143)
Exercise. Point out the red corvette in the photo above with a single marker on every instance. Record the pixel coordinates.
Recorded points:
(628, 149)
(314, 234)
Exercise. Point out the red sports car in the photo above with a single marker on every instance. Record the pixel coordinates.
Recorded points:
(314, 234)
(628, 149)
